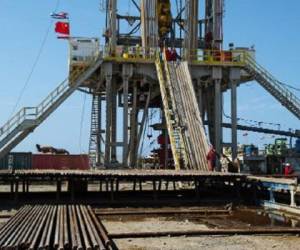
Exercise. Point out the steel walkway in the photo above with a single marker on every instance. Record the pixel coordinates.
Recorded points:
(273, 86)
(186, 131)
(27, 119)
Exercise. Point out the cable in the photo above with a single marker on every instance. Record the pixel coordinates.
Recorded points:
(289, 86)
(35, 61)
(249, 121)
(81, 122)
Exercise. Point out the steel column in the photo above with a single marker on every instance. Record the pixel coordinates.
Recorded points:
(126, 74)
(217, 76)
(235, 75)
(108, 70)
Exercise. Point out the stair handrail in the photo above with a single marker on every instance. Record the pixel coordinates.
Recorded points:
(23, 114)
(32, 113)
(52, 97)
(27, 113)
(250, 61)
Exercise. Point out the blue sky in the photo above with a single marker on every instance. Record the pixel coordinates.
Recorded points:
(271, 27)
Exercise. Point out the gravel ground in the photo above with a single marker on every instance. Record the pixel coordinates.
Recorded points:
(119, 225)
(212, 243)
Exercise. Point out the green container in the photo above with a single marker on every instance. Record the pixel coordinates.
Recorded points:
(16, 161)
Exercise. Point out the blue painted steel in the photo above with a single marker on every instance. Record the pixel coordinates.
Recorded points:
(297, 146)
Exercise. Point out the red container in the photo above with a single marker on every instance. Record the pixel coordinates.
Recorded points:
(60, 162)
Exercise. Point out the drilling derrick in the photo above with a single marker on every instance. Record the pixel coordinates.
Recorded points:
(132, 74)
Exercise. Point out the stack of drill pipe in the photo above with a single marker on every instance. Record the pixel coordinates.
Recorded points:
(54, 227)
(149, 24)
(188, 114)
(121, 172)
(191, 28)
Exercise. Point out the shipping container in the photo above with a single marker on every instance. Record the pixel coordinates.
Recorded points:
(16, 160)
(60, 162)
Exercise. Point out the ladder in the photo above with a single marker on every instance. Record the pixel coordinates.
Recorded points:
(273, 86)
(95, 133)
(174, 130)
(27, 119)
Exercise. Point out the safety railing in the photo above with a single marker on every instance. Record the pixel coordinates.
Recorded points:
(34, 113)
(28, 113)
(218, 57)
(260, 70)
(130, 53)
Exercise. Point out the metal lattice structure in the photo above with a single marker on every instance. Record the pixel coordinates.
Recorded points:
(126, 71)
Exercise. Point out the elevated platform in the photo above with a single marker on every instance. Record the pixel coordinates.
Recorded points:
(116, 174)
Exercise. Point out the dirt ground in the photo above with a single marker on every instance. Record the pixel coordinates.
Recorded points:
(212, 243)
(119, 225)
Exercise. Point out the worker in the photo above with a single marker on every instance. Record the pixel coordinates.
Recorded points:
(168, 54)
(288, 169)
(211, 159)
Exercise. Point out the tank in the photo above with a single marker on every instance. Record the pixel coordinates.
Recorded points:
(16, 160)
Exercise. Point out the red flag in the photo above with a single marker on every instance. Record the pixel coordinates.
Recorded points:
(62, 28)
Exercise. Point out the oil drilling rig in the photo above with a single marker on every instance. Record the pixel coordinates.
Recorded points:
(130, 74)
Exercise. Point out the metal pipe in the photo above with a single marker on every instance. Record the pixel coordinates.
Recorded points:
(61, 228)
(65, 228)
(72, 219)
(56, 235)
(51, 226)
(88, 227)
(163, 212)
(94, 230)
(101, 229)
(31, 227)
(40, 228)
(263, 231)
(76, 228)
(17, 232)
(83, 230)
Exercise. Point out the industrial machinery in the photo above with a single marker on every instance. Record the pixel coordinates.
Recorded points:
(129, 74)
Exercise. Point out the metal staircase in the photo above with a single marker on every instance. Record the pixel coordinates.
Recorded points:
(273, 86)
(174, 130)
(27, 119)
(95, 153)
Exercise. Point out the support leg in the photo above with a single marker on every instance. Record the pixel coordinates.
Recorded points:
(126, 74)
(107, 158)
(292, 193)
(234, 119)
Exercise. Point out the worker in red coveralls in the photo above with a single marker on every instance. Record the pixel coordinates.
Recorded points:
(288, 169)
(211, 158)
(168, 54)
